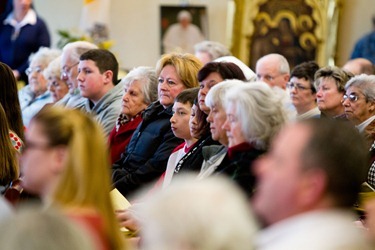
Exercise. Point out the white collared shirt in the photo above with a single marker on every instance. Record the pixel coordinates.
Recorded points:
(364, 124)
(30, 18)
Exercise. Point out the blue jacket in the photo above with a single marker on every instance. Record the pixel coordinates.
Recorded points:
(146, 156)
(16, 53)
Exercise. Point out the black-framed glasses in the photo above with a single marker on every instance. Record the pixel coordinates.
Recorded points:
(65, 71)
(352, 97)
(297, 86)
(30, 70)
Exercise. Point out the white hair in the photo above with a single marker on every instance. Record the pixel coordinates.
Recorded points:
(208, 214)
(76, 49)
(44, 56)
(216, 95)
(53, 69)
(260, 111)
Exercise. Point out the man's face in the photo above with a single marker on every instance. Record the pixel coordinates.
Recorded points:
(268, 71)
(69, 72)
(279, 176)
(91, 82)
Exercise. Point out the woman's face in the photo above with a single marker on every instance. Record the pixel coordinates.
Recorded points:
(233, 127)
(302, 96)
(38, 161)
(57, 87)
(37, 82)
(170, 85)
(22, 5)
(205, 86)
(216, 118)
(329, 98)
(357, 109)
(133, 100)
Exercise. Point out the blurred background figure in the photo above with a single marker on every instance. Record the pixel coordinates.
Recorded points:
(182, 36)
(202, 220)
(140, 90)
(22, 33)
(359, 66)
(302, 90)
(56, 86)
(34, 96)
(365, 46)
(36, 229)
(11, 104)
(74, 174)
(208, 51)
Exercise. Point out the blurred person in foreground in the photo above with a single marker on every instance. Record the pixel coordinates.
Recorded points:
(73, 175)
(307, 185)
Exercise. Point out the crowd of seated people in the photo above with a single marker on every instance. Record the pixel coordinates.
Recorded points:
(295, 145)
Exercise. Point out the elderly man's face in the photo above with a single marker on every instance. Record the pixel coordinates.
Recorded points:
(280, 179)
(267, 70)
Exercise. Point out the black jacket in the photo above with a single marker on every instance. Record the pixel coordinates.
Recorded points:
(147, 153)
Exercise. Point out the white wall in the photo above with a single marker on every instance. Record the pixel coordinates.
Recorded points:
(355, 22)
(134, 25)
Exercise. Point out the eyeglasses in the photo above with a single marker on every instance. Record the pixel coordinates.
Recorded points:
(266, 77)
(33, 145)
(297, 86)
(30, 70)
(352, 97)
(65, 71)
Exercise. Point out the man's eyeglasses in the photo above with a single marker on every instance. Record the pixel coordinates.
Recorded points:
(297, 86)
(30, 70)
(266, 77)
(65, 71)
(352, 97)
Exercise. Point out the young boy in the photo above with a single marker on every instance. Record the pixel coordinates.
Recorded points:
(180, 127)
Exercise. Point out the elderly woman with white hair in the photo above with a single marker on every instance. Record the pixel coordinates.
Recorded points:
(56, 86)
(359, 106)
(140, 90)
(254, 114)
(34, 96)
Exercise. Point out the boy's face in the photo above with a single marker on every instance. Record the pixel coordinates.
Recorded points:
(90, 81)
(180, 120)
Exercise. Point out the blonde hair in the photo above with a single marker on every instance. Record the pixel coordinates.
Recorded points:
(9, 170)
(186, 65)
(85, 181)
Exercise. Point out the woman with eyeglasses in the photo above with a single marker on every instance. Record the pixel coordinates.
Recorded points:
(330, 88)
(302, 91)
(66, 163)
(359, 106)
(34, 96)
(56, 86)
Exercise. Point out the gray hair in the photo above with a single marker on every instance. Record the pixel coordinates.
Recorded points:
(53, 69)
(340, 76)
(216, 95)
(147, 76)
(34, 228)
(281, 60)
(203, 221)
(260, 111)
(76, 49)
(44, 56)
(214, 49)
(366, 83)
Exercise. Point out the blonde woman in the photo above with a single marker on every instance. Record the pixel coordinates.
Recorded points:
(74, 172)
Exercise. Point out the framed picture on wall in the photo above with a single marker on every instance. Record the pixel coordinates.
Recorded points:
(182, 27)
